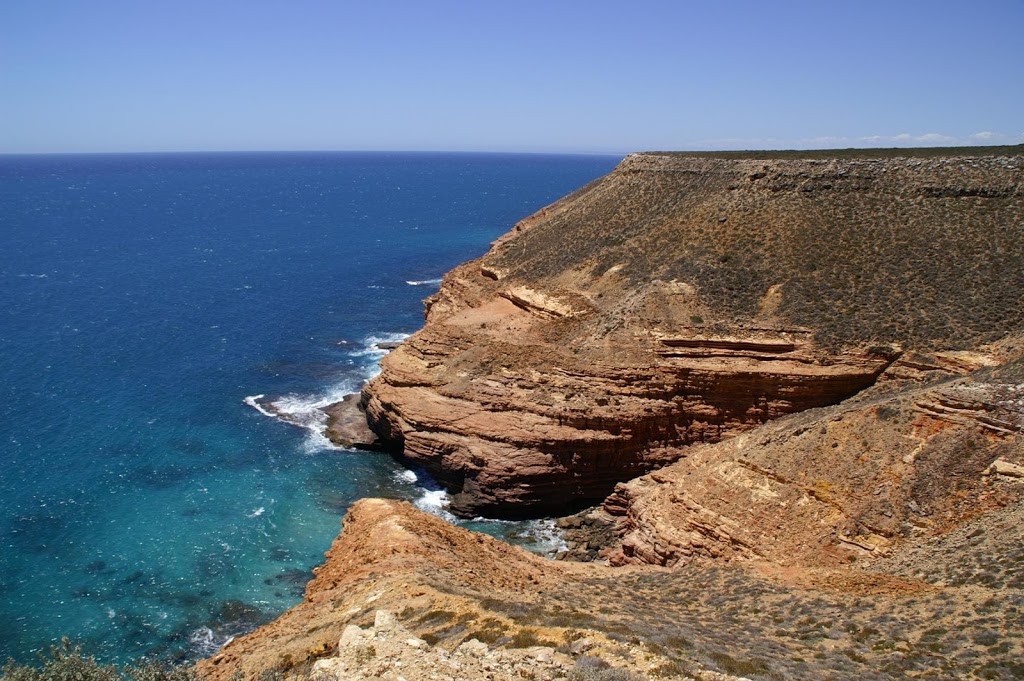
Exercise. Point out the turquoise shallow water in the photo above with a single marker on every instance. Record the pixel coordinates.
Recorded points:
(145, 508)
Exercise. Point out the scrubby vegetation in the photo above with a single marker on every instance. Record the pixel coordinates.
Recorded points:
(595, 669)
(67, 662)
(927, 250)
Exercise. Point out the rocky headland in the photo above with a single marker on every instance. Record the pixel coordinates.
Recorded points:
(684, 299)
(791, 382)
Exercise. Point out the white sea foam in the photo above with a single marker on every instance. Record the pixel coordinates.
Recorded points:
(371, 346)
(256, 512)
(547, 537)
(424, 282)
(204, 642)
(406, 475)
(541, 536)
(435, 502)
(306, 410)
(253, 401)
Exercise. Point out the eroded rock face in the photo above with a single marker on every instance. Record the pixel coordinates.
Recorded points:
(837, 484)
(532, 439)
(404, 594)
(687, 299)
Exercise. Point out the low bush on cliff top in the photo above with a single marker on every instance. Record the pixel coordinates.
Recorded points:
(67, 662)
(589, 668)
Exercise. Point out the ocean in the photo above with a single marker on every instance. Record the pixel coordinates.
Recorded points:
(147, 509)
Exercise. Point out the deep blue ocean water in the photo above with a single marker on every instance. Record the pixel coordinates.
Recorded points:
(145, 509)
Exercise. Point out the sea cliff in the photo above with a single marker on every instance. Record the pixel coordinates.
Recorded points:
(793, 383)
(685, 299)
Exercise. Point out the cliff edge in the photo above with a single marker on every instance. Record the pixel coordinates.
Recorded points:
(405, 595)
(684, 299)
(824, 359)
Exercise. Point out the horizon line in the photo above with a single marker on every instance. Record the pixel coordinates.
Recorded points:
(697, 151)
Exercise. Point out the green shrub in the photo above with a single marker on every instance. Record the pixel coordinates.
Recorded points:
(67, 662)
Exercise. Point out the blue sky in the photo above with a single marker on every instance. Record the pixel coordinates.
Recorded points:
(587, 76)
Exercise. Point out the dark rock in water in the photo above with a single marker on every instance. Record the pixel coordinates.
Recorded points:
(346, 425)
(233, 609)
(334, 503)
(189, 600)
(96, 567)
(36, 533)
(211, 565)
(133, 577)
(235, 617)
(586, 533)
(232, 618)
(279, 554)
(295, 577)
(388, 345)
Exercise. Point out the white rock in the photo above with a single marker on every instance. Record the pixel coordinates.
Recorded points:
(384, 622)
(330, 668)
(352, 634)
(1006, 468)
(474, 647)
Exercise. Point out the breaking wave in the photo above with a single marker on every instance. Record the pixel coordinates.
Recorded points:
(307, 410)
(375, 347)
(203, 642)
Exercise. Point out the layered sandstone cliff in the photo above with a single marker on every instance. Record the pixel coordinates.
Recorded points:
(823, 357)
(685, 299)
(854, 481)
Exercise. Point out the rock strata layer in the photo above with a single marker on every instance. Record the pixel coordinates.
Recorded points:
(833, 485)
(685, 299)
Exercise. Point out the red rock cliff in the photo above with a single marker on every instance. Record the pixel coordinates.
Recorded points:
(685, 299)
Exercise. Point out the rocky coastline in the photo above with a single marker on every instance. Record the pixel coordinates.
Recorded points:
(686, 299)
(790, 389)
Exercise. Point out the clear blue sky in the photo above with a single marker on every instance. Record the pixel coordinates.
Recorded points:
(551, 75)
